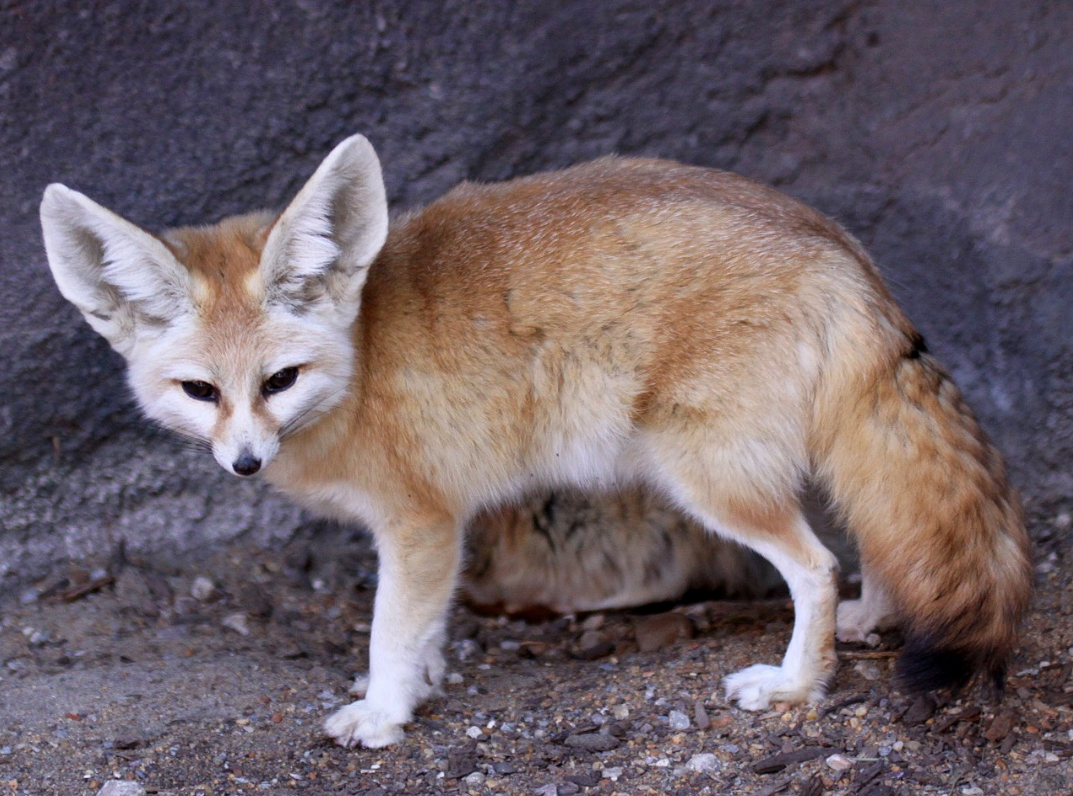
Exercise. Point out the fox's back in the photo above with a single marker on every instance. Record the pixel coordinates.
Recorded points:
(609, 237)
(553, 316)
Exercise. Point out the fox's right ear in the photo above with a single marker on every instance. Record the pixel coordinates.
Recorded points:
(122, 278)
(319, 250)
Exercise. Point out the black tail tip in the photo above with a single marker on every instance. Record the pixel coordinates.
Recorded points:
(926, 666)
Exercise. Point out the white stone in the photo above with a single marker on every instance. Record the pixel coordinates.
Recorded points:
(237, 622)
(704, 763)
(203, 589)
(839, 763)
(869, 670)
(678, 720)
(119, 787)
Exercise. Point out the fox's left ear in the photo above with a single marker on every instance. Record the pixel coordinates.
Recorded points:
(321, 247)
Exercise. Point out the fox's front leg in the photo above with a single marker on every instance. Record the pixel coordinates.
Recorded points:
(419, 562)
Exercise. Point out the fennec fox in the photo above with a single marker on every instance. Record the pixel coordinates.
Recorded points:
(620, 321)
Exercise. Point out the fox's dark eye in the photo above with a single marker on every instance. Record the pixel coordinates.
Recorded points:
(200, 391)
(280, 381)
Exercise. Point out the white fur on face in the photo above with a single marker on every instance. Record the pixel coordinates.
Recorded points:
(243, 420)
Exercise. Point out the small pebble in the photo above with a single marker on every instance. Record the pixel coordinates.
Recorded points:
(593, 645)
(839, 763)
(118, 787)
(203, 590)
(869, 670)
(185, 606)
(678, 720)
(29, 597)
(594, 622)
(255, 601)
(700, 716)
(703, 763)
(133, 592)
(547, 790)
(592, 741)
(238, 622)
(612, 773)
(620, 712)
(474, 780)
(474, 732)
(454, 678)
(466, 648)
(661, 630)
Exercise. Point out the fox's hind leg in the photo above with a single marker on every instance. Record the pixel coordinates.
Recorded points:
(785, 539)
(765, 515)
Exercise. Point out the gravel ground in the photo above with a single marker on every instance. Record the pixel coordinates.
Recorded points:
(212, 677)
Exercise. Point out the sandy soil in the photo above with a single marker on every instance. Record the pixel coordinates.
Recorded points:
(141, 672)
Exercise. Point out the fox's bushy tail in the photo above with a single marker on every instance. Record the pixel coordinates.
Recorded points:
(926, 495)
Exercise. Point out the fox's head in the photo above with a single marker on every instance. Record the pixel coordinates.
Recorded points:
(236, 334)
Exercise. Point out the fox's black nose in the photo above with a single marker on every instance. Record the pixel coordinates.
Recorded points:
(246, 464)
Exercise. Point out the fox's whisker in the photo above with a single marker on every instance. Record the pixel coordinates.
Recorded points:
(310, 414)
(187, 439)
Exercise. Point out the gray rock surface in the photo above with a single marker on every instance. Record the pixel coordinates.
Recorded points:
(938, 133)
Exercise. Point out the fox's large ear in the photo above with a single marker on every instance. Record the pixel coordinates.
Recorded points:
(119, 276)
(322, 245)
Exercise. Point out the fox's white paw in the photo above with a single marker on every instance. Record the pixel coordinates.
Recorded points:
(756, 687)
(854, 621)
(357, 723)
(857, 619)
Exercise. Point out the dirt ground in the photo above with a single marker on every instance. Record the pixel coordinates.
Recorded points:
(213, 677)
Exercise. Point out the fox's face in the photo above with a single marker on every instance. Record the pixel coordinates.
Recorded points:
(239, 334)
